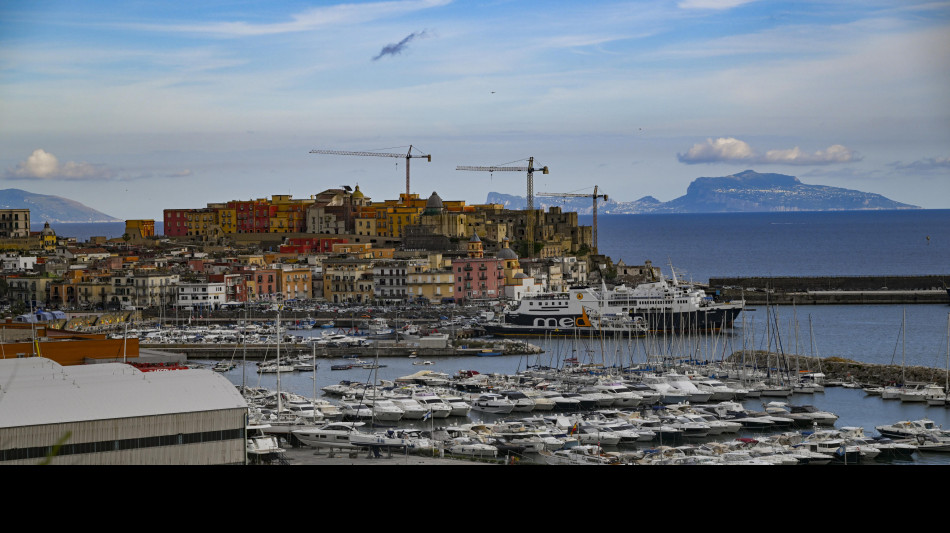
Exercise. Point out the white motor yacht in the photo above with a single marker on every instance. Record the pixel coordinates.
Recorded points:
(433, 403)
(493, 403)
(330, 435)
(261, 447)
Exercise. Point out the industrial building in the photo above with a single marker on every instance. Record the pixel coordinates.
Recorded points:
(113, 413)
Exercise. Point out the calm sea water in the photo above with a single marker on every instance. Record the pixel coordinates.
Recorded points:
(82, 232)
(843, 243)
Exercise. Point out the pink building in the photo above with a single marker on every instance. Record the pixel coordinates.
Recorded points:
(478, 278)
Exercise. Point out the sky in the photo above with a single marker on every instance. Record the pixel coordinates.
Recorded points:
(133, 107)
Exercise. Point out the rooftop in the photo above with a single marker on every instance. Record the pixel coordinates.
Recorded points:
(36, 390)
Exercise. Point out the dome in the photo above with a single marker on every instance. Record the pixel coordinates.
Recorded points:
(357, 193)
(474, 238)
(434, 202)
(433, 205)
(506, 253)
(521, 275)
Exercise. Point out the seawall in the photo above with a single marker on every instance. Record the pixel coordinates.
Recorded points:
(786, 290)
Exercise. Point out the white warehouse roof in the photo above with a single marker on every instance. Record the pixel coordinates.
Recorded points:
(36, 390)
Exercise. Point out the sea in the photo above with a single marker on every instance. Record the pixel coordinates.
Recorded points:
(701, 246)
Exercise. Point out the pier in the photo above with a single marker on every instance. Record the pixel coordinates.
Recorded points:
(834, 290)
(265, 351)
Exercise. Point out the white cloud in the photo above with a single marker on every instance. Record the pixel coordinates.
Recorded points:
(719, 150)
(731, 150)
(43, 165)
(795, 156)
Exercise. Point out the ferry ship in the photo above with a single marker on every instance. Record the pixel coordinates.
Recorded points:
(663, 305)
(667, 305)
(558, 315)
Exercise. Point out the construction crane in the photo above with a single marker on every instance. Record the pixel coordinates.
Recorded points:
(529, 169)
(408, 155)
(595, 196)
(529, 230)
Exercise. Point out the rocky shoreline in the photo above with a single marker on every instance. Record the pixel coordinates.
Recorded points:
(838, 369)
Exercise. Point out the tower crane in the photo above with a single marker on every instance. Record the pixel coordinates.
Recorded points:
(408, 155)
(595, 196)
(529, 169)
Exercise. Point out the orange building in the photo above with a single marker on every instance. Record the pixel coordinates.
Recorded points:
(68, 348)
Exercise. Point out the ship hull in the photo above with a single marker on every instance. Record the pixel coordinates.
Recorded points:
(514, 330)
(689, 321)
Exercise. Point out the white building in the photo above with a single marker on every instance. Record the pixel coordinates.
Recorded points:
(198, 295)
(144, 289)
(391, 281)
(17, 262)
(113, 413)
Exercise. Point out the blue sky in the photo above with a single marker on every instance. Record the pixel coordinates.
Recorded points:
(132, 107)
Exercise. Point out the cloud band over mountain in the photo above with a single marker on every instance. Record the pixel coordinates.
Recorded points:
(732, 150)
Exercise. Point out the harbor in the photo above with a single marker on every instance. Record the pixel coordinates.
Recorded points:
(847, 395)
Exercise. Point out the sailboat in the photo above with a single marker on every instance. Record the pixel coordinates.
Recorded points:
(940, 397)
(894, 392)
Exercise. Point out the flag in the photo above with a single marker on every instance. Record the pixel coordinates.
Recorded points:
(427, 415)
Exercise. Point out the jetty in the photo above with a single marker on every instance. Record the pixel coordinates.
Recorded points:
(834, 290)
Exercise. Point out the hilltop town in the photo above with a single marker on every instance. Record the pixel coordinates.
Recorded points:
(337, 246)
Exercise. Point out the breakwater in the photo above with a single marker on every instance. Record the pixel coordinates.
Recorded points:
(843, 370)
(834, 290)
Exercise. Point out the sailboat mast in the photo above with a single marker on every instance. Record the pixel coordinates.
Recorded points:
(279, 403)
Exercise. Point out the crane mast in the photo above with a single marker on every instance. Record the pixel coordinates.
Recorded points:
(594, 196)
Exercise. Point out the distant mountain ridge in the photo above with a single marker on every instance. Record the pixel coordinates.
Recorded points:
(747, 191)
(53, 209)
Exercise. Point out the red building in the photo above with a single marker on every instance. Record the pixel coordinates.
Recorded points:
(314, 245)
(253, 216)
(176, 222)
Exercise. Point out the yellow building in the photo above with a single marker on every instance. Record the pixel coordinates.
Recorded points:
(140, 229)
(431, 279)
(397, 218)
(201, 222)
(227, 220)
(367, 225)
(295, 283)
(348, 280)
(48, 238)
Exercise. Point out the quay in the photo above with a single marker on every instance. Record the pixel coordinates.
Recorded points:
(263, 351)
(834, 290)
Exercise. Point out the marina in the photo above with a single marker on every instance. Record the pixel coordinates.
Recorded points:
(850, 406)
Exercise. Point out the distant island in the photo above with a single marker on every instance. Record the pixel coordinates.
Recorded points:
(52, 209)
(747, 191)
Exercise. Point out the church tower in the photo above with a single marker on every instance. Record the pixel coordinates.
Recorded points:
(475, 247)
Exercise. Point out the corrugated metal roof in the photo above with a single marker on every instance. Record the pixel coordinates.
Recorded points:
(37, 390)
